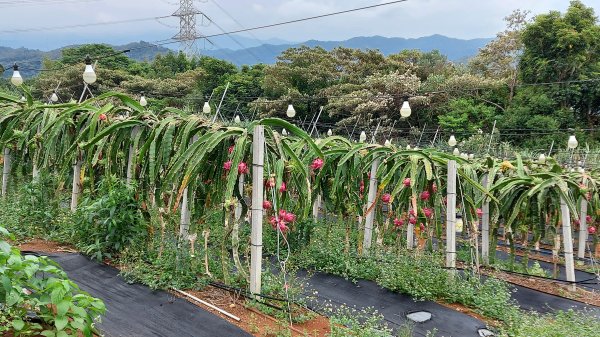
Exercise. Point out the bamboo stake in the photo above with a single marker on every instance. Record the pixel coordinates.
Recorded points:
(235, 234)
(485, 226)
(370, 212)
(451, 216)
(583, 227)
(76, 184)
(258, 158)
(208, 304)
(130, 169)
(567, 243)
(5, 171)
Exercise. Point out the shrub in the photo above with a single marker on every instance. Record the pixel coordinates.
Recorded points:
(37, 284)
(106, 225)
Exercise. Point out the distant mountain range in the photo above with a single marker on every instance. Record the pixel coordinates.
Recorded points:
(457, 50)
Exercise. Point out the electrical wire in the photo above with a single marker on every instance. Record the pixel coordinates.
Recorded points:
(15, 3)
(84, 25)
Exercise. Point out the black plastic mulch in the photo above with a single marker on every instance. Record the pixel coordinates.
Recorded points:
(134, 310)
(588, 280)
(393, 306)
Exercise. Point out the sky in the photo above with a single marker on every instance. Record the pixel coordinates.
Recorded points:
(464, 19)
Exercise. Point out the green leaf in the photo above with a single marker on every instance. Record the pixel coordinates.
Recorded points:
(61, 322)
(62, 308)
(48, 333)
(18, 324)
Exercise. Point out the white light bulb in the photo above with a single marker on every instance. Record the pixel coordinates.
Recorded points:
(206, 108)
(542, 159)
(237, 119)
(452, 141)
(363, 137)
(329, 133)
(22, 98)
(143, 101)
(54, 97)
(408, 147)
(387, 142)
(405, 110)
(572, 143)
(284, 132)
(464, 156)
(471, 156)
(16, 78)
(456, 152)
(291, 112)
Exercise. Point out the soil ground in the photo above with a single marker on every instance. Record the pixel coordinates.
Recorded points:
(251, 320)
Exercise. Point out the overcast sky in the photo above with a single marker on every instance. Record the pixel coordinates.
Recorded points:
(413, 18)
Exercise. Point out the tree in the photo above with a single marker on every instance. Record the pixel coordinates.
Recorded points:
(106, 56)
(566, 48)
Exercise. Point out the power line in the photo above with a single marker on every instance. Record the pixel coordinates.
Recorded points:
(85, 25)
(304, 19)
(15, 3)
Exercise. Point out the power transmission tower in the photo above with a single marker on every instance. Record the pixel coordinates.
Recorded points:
(187, 26)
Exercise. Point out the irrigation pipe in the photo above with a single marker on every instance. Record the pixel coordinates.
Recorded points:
(208, 304)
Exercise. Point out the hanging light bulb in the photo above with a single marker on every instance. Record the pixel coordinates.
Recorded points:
(291, 112)
(206, 108)
(143, 101)
(452, 141)
(16, 78)
(363, 137)
(542, 159)
(456, 152)
(387, 143)
(284, 132)
(572, 143)
(237, 119)
(405, 110)
(54, 97)
(408, 147)
(89, 75)
(329, 133)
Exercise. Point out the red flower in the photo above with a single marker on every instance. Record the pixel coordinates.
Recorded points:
(230, 150)
(282, 188)
(588, 219)
(422, 227)
(267, 204)
(361, 186)
(243, 168)
(317, 164)
(386, 198)
(434, 187)
(479, 212)
(412, 212)
(283, 227)
(398, 222)
(412, 220)
(102, 117)
(270, 183)
(425, 195)
(227, 165)
(406, 182)
(428, 212)
(286, 216)
(576, 222)
(592, 230)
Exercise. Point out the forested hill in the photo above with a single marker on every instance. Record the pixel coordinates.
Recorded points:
(455, 49)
